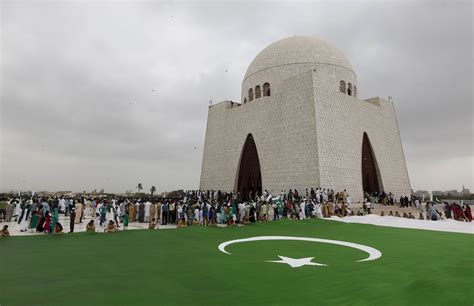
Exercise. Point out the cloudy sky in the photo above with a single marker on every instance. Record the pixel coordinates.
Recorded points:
(107, 94)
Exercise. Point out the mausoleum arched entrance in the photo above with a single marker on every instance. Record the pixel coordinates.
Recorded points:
(371, 180)
(249, 177)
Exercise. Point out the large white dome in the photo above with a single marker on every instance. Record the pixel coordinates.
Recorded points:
(297, 50)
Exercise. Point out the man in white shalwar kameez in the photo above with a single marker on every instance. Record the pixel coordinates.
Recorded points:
(302, 210)
(147, 211)
(325, 196)
(317, 210)
(97, 216)
(241, 213)
(197, 215)
(62, 205)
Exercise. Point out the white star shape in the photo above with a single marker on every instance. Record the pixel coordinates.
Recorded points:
(297, 262)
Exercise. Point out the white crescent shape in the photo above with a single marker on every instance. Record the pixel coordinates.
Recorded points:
(373, 253)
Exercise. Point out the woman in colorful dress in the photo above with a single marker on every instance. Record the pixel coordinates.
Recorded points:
(54, 220)
(33, 221)
(125, 219)
(223, 214)
(39, 227)
(467, 213)
(230, 214)
(47, 223)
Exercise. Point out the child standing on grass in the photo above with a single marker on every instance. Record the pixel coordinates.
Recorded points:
(72, 220)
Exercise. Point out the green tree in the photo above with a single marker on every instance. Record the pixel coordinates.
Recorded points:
(176, 194)
(152, 190)
(139, 187)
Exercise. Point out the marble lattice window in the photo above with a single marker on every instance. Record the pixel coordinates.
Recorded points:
(250, 94)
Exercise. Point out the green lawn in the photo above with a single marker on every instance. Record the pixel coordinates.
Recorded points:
(184, 267)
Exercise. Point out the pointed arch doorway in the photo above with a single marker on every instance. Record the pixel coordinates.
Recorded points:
(370, 172)
(249, 177)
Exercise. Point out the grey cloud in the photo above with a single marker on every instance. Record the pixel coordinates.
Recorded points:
(107, 94)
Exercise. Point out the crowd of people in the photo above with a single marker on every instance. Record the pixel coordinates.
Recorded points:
(110, 213)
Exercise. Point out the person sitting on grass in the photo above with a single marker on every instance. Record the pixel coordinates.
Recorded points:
(397, 214)
(382, 214)
(5, 232)
(152, 224)
(90, 227)
(111, 228)
(58, 228)
(390, 214)
(411, 216)
(365, 209)
(405, 215)
(182, 222)
(421, 217)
